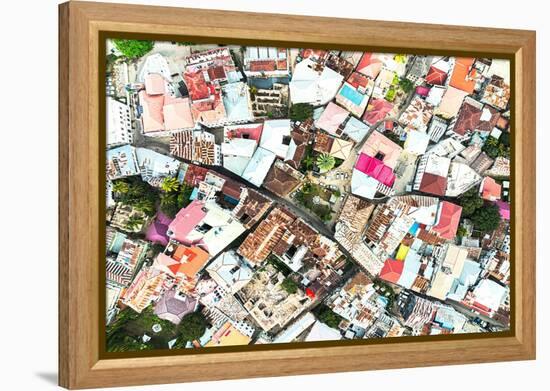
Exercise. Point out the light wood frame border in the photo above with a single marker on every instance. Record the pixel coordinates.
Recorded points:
(80, 365)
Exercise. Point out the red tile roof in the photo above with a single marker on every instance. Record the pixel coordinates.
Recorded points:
(433, 184)
(196, 84)
(436, 76)
(490, 189)
(468, 119)
(449, 218)
(392, 270)
(263, 65)
(216, 72)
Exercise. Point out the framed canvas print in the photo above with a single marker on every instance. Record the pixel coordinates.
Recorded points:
(247, 195)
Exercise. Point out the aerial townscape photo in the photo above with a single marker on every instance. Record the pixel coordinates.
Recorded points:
(269, 195)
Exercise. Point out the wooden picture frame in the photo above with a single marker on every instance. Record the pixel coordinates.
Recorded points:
(81, 165)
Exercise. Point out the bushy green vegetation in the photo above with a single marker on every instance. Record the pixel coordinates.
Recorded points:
(289, 286)
(191, 327)
(497, 147)
(279, 265)
(305, 197)
(174, 197)
(406, 85)
(461, 231)
(470, 202)
(126, 331)
(137, 194)
(132, 49)
(484, 216)
(301, 112)
(328, 316)
(487, 219)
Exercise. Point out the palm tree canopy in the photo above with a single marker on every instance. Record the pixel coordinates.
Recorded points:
(325, 162)
(169, 184)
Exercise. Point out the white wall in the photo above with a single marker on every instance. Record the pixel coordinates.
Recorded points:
(29, 180)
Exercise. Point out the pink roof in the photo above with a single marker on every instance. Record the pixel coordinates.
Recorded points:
(186, 220)
(369, 65)
(177, 113)
(377, 143)
(253, 132)
(449, 218)
(375, 169)
(154, 84)
(152, 116)
(422, 91)
(377, 110)
(504, 209)
(156, 232)
(392, 270)
(331, 119)
(490, 189)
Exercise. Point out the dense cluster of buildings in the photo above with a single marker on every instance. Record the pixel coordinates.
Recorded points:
(414, 143)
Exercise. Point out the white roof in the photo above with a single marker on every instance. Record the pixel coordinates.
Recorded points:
(500, 68)
(356, 129)
(258, 167)
(309, 86)
(294, 330)
(435, 95)
(461, 178)
(239, 147)
(363, 185)
(236, 164)
(322, 332)
(438, 165)
(224, 229)
(155, 63)
(416, 142)
(490, 294)
(272, 136)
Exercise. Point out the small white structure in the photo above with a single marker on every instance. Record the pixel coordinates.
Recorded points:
(309, 85)
(119, 123)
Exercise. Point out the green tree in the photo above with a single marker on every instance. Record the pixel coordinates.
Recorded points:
(461, 231)
(328, 317)
(308, 162)
(486, 219)
(491, 147)
(470, 202)
(289, 286)
(169, 204)
(191, 328)
(134, 222)
(406, 85)
(120, 186)
(169, 184)
(307, 187)
(301, 112)
(325, 162)
(145, 205)
(132, 48)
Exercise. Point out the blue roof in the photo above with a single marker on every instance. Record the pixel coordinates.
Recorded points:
(351, 94)
(414, 228)
(356, 129)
